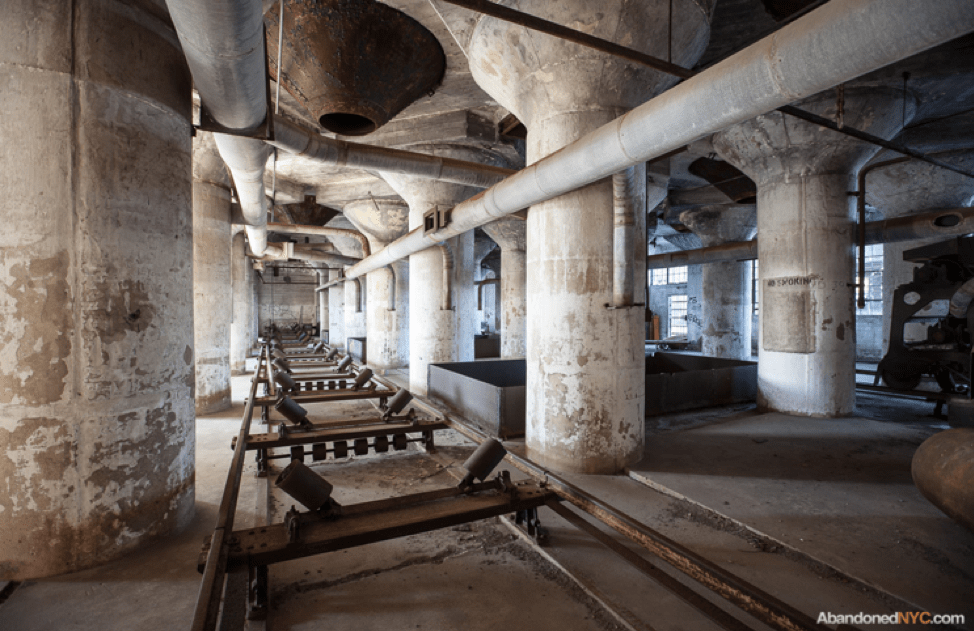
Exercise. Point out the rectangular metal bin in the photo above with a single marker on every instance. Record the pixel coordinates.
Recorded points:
(676, 382)
(489, 393)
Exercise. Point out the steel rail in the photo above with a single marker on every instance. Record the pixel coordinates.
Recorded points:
(214, 574)
(761, 605)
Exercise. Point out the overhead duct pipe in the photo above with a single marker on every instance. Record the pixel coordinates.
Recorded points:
(939, 223)
(223, 41)
(844, 39)
(323, 231)
(313, 146)
(303, 252)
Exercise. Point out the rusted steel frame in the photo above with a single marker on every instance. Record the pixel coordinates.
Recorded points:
(214, 573)
(760, 604)
(325, 396)
(557, 30)
(400, 517)
(681, 591)
(271, 440)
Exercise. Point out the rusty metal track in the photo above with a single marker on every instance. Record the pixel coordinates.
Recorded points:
(763, 606)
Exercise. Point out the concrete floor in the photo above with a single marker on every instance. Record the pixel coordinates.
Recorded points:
(820, 513)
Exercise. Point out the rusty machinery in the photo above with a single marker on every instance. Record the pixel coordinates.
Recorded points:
(931, 324)
(234, 562)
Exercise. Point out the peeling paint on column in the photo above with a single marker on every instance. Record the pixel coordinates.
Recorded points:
(96, 412)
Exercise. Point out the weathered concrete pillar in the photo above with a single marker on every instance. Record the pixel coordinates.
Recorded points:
(211, 275)
(322, 277)
(726, 312)
(442, 317)
(585, 362)
(908, 188)
(806, 217)
(243, 327)
(511, 235)
(383, 221)
(96, 285)
(336, 311)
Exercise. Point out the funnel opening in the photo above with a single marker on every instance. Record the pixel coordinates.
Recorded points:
(347, 124)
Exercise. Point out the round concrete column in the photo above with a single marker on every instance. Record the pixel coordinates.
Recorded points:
(585, 362)
(211, 275)
(336, 311)
(96, 284)
(511, 235)
(804, 174)
(438, 333)
(243, 327)
(726, 312)
(908, 188)
(387, 322)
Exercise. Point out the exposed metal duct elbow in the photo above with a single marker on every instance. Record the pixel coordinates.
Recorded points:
(623, 238)
(246, 158)
(223, 41)
(298, 140)
(392, 288)
(447, 253)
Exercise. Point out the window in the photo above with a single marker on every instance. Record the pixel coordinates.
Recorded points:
(659, 277)
(678, 315)
(678, 275)
(755, 287)
(873, 281)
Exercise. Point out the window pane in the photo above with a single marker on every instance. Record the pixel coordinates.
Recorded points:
(678, 275)
(678, 315)
(659, 276)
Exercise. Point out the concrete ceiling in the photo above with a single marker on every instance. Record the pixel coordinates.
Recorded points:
(942, 81)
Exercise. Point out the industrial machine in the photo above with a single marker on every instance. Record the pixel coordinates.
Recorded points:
(931, 320)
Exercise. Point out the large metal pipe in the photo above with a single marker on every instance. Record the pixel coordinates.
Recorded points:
(837, 42)
(323, 231)
(223, 41)
(623, 238)
(297, 140)
(938, 223)
(943, 471)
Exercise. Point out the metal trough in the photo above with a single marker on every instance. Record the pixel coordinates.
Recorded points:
(488, 393)
(676, 382)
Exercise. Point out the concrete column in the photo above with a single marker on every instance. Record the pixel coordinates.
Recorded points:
(511, 235)
(242, 328)
(806, 218)
(96, 285)
(440, 334)
(726, 295)
(211, 275)
(909, 188)
(322, 277)
(336, 311)
(387, 321)
(585, 362)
